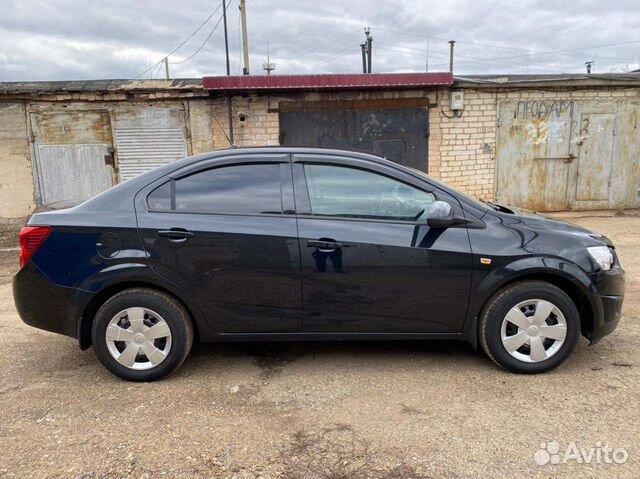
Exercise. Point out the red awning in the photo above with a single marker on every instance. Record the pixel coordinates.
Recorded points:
(361, 81)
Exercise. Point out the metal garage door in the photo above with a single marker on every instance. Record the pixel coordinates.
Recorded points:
(564, 154)
(398, 133)
(70, 150)
(148, 138)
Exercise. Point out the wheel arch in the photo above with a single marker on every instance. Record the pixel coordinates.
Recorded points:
(89, 312)
(574, 287)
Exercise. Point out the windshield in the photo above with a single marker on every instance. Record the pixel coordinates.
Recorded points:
(445, 186)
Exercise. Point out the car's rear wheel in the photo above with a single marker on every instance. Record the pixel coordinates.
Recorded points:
(141, 334)
(529, 327)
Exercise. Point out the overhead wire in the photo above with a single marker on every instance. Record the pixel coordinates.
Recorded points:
(152, 67)
(476, 59)
(529, 52)
(203, 43)
(154, 73)
(320, 45)
(342, 53)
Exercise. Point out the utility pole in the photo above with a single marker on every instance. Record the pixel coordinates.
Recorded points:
(226, 36)
(245, 37)
(166, 68)
(226, 49)
(369, 48)
(451, 45)
(427, 63)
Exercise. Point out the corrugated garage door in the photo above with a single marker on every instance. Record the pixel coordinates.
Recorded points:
(141, 149)
(147, 138)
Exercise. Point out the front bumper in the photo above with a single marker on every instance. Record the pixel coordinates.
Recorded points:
(607, 301)
(46, 305)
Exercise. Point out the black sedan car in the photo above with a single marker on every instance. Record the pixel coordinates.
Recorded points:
(309, 244)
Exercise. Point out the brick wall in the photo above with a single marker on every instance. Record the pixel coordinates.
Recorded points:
(462, 148)
(259, 128)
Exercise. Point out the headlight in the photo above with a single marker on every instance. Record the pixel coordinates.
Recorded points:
(602, 255)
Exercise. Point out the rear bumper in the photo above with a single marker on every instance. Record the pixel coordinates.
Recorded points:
(608, 298)
(45, 305)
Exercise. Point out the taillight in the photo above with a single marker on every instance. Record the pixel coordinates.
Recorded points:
(31, 238)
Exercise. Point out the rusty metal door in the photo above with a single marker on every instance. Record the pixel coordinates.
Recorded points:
(534, 155)
(399, 134)
(561, 154)
(624, 191)
(70, 150)
(595, 157)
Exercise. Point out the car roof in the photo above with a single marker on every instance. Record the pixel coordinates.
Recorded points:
(306, 150)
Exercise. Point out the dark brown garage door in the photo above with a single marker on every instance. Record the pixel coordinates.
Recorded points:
(399, 134)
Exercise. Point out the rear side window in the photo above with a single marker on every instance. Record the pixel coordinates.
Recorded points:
(160, 198)
(238, 189)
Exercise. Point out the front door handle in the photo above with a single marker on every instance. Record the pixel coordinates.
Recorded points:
(324, 244)
(176, 234)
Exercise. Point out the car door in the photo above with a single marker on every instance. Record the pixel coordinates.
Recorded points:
(369, 261)
(225, 233)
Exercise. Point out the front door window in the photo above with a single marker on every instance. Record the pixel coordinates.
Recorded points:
(355, 193)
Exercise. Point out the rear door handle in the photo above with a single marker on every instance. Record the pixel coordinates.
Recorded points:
(324, 244)
(176, 234)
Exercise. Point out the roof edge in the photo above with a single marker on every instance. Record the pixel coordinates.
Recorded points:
(359, 81)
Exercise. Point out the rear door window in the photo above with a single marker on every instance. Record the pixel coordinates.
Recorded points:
(237, 189)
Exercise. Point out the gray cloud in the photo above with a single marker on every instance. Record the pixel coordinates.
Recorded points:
(88, 39)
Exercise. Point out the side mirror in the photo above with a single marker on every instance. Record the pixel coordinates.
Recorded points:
(441, 215)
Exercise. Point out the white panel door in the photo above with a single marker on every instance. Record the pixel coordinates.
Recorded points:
(70, 174)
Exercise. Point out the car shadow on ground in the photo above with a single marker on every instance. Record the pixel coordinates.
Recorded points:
(53, 355)
(270, 356)
(437, 355)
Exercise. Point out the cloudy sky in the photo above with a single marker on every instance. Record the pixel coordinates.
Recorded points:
(92, 39)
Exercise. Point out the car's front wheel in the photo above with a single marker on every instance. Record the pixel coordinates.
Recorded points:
(529, 327)
(142, 334)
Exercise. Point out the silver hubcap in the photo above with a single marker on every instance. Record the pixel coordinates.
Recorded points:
(533, 330)
(138, 338)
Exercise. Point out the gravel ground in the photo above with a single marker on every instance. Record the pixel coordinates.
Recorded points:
(319, 410)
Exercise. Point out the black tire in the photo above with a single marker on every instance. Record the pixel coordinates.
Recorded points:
(172, 312)
(499, 305)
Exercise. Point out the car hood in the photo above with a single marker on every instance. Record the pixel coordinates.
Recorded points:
(538, 221)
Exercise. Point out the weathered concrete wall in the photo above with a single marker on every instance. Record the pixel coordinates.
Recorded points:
(201, 126)
(16, 180)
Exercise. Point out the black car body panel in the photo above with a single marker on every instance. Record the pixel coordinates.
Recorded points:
(290, 274)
